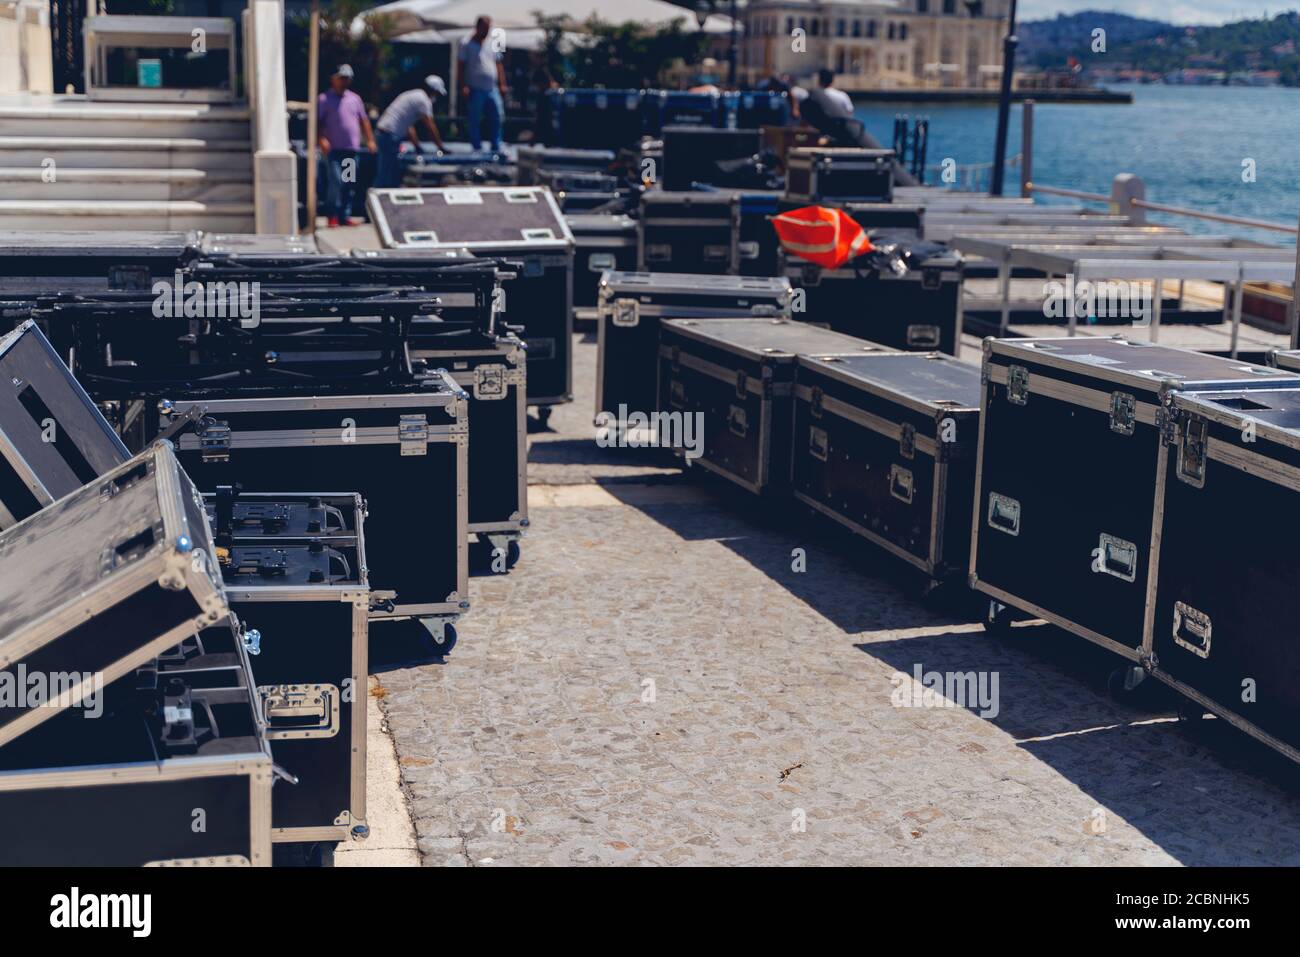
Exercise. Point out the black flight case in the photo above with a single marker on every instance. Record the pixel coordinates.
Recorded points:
(174, 770)
(1070, 455)
(735, 378)
(521, 224)
(1220, 626)
(628, 310)
(102, 580)
(685, 232)
(817, 173)
(602, 241)
(295, 573)
(884, 444)
(904, 303)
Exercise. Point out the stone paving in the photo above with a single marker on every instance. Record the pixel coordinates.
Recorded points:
(655, 684)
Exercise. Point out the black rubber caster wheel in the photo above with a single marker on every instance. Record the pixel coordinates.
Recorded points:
(444, 641)
(322, 854)
(997, 619)
(513, 554)
(543, 415)
(1190, 714)
(1124, 683)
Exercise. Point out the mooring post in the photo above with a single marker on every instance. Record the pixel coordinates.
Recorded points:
(1125, 188)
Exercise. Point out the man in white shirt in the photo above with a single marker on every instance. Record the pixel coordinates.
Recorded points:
(483, 81)
(826, 80)
(409, 109)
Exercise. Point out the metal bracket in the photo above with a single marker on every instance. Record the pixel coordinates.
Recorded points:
(742, 382)
(214, 440)
(815, 408)
(1192, 629)
(490, 381)
(674, 357)
(677, 393)
(300, 711)
(907, 440)
(1192, 451)
(810, 275)
(1018, 385)
(413, 434)
(626, 313)
(931, 278)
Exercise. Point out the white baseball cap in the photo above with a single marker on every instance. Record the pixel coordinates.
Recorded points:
(434, 83)
(344, 71)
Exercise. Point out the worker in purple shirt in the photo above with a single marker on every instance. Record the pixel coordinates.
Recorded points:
(344, 126)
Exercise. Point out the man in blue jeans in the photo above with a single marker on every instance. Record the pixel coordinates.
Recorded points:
(343, 127)
(407, 111)
(483, 84)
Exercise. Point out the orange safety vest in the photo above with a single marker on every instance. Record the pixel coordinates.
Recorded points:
(819, 234)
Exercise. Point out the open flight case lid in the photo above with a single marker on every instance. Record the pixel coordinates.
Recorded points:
(53, 439)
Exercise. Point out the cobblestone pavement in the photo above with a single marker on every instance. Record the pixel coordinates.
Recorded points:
(654, 684)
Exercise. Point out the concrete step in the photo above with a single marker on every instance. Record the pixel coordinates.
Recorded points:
(126, 214)
(103, 152)
(74, 116)
(72, 183)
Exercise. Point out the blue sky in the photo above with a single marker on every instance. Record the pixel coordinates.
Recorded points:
(1176, 11)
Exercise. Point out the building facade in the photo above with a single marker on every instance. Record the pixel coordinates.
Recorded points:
(876, 45)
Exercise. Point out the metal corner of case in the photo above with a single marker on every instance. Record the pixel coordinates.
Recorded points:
(972, 580)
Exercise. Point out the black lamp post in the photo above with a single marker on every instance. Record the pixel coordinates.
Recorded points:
(1004, 103)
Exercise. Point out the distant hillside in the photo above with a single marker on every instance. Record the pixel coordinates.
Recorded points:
(1050, 42)
(1271, 43)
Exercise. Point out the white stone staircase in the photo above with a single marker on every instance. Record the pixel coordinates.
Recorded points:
(69, 163)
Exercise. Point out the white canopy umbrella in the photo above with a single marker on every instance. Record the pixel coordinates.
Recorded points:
(413, 15)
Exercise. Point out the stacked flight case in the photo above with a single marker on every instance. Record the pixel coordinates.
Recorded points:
(695, 154)
(907, 305)
(736, 377)
(34, 263)
(685, 232)
(173, 770)
(398, 446)
(820, 173)
(521, 224)
(884, 444)
(99, 588)
(1220, 625)
(602, 241)
(628, 312)
(295, 572)
(531, 161)
(1071, 437)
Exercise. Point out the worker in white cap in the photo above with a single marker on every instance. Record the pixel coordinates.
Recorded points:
(407, 111)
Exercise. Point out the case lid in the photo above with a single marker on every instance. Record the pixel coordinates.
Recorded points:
(98, 244)
(252, 244)
(52, 436)
(649, 283)
(600, 223)
(509, 219)
(1142, 365)
(928, 380)
(1275, 413)
(770, 338)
